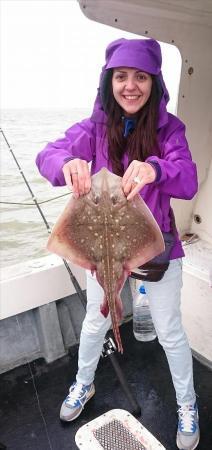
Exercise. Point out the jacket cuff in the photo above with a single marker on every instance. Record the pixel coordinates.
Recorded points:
(68, 158)
(157, 169)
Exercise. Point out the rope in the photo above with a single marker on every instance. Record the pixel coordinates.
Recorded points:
(35, 388)
(32, 204)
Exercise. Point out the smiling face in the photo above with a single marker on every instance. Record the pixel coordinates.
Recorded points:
(131, 88)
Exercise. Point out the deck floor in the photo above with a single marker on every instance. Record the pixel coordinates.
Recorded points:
(29, 406)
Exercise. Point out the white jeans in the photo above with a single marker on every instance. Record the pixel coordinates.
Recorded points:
(164, 300)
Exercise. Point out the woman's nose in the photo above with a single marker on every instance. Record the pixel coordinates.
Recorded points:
(130, 84)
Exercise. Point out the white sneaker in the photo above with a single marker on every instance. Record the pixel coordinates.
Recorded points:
(188, 427)
(78, 396)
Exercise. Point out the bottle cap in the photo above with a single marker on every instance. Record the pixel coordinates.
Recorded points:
(142, 289)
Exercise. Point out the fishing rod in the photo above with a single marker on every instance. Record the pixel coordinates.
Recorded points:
(109, 347)
(73, 279)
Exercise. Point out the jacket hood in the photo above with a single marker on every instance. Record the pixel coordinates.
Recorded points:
(143, 54)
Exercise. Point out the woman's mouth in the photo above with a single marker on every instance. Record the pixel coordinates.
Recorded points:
(131, 97)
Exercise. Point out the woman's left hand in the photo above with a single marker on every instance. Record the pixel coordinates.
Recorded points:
(136, 176)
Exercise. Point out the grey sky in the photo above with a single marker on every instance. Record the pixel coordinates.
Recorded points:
(51, 55)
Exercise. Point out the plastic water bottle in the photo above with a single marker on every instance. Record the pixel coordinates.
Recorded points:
(143, 327)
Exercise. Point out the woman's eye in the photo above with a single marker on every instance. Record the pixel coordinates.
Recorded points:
(141, 77)
(120, 77)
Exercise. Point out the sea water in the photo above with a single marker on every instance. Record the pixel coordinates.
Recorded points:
(23, 232)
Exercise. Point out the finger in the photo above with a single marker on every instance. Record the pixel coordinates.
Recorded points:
(87, 183)
(86, 178)
(127, 174)
(127, 186)
(84, 182)
(75, 183)
(67, 176)
(80, 180)
(135, 190)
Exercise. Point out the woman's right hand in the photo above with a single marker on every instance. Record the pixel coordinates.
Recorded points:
(77, 176)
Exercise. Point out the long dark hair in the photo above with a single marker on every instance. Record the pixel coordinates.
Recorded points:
(142, 142)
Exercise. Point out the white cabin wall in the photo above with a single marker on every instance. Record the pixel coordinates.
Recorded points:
(203, 209)
(195, 109)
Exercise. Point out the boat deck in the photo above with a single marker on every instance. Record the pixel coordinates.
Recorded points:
(31, 397)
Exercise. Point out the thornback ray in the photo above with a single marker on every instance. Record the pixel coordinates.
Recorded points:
(104, 232)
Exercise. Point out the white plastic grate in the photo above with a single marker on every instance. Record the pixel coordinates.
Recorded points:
(116, 430)
(115, 436)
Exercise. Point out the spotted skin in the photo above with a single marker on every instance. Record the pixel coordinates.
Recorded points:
(104, 232)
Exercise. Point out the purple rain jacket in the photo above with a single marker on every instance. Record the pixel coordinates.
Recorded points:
(176, 173)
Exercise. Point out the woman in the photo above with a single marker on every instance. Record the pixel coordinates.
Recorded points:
(131, 133)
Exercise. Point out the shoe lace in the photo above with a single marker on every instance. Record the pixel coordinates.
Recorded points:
(186, 417)
(74, 394)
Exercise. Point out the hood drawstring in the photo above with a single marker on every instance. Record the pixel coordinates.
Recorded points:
(129, 125)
